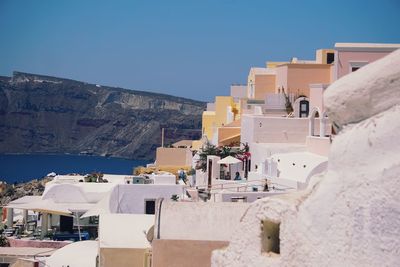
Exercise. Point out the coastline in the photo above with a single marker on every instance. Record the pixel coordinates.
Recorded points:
(26, 167)
(72, 154)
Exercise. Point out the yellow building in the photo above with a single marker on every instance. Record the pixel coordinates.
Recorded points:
(226, 111)
(208, 123)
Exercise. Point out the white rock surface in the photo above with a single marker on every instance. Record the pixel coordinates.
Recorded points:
(349, 216)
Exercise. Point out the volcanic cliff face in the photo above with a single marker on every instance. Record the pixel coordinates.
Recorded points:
(41, 114)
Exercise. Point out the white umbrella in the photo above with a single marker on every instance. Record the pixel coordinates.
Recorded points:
(229, 160)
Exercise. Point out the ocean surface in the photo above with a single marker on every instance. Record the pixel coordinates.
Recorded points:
(22, 168)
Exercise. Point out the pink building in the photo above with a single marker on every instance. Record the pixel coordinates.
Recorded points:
(350, 57)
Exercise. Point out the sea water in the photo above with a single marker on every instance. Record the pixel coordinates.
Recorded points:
(22, 168)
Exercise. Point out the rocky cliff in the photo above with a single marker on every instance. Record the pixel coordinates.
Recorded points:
(42, 114)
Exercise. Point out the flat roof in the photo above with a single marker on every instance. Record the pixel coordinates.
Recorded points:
(125, 230)
(184, 142)
(206, 112)
(26, 251)
(302, 64)
(235, 123)
(365, 47)
(266, 71)
(230, 138)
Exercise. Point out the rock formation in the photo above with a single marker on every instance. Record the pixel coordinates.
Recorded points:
(41, 114)
(350, 216)
(14, 191)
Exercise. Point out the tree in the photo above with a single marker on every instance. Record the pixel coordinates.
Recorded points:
(207, 150)
(222, 152)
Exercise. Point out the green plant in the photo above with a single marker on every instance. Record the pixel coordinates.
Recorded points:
(222, 152)
(207, 150)
(9, 192)
(88, 178)
(95, 177)
(191, 172)
(288, 104)
(3, 241)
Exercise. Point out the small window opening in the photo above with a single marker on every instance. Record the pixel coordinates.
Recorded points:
(294, 164)
(330, 58)
(150, 206)
(304, 166)
(239, 199)
(270, 241)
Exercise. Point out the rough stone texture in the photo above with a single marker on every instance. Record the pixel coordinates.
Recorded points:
(14, 191)
(349, 216)
(41, 114)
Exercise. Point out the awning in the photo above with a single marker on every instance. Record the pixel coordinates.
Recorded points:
(101, 207)
(49, 206)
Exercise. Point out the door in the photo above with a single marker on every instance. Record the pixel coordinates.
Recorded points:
(150, 206)
(304, 108)
(209, 172)
(66, 224)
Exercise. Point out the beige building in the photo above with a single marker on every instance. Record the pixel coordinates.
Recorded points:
(260, 82)
(229, 134)
(296, 77)
(173, 156)
(186, 233)
(122, 240)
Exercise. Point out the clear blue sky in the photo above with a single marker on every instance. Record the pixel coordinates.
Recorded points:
(194, 49)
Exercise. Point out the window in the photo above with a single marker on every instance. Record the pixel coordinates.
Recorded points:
(239, 199)
(330, 58)
(355, 65)
(150, 206)
(270, 237)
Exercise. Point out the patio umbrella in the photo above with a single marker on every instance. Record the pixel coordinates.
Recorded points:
(229, 160)
(49, 206)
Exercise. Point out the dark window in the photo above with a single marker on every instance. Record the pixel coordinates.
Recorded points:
(209, 172)
(150, 207)
(304, 108)
(330, 58)
(353, 69)
(66, 224)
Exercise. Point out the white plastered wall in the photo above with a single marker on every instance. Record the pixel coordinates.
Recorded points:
(351, 215)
